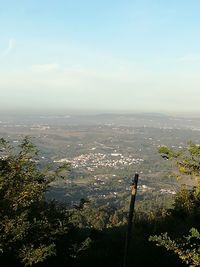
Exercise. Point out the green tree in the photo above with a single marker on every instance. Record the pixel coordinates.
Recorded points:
(187, 248)
(186, 205)
(187, 159)
(31, 229)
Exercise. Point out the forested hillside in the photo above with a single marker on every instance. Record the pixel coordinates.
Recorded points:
(35, 231)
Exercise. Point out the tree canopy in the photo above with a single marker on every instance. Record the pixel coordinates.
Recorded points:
(31, 229)
(186, 205)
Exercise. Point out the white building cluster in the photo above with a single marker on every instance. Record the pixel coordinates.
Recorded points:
(93, 161)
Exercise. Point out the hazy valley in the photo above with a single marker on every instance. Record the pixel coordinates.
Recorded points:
(105, 151)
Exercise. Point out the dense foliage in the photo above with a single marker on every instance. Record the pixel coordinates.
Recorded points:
(186, 206)
(37, 232)
(31, 229)
(187, 248)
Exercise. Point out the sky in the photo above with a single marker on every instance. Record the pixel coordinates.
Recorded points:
(108, 55)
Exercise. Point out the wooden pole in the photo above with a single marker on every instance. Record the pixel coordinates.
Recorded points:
(130, 218)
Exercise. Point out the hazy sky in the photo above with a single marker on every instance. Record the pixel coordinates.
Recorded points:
(136, 55)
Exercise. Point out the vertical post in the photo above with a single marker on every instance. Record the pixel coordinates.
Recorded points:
(130, 218)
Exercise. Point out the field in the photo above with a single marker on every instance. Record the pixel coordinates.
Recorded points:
(105, 151)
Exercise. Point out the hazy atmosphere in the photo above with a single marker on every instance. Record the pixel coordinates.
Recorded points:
(100, 55)
(99, 133)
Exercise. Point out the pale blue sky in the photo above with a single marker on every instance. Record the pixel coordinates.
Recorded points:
(103, 55)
